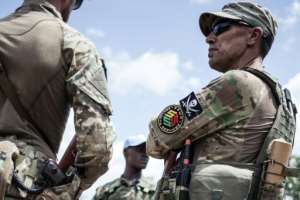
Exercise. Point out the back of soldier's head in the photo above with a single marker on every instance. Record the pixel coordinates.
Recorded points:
(65, 7)
(76, 3)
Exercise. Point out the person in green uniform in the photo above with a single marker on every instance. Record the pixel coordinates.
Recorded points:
(131, 185)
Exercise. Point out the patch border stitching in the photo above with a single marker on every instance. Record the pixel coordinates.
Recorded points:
(178, 126)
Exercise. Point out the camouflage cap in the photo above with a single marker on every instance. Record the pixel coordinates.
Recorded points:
(248, 12)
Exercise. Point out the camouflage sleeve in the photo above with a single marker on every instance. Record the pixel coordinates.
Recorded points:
(104, 192)
(100, 193)
(87, 90)
(94, 138)
(223, 102)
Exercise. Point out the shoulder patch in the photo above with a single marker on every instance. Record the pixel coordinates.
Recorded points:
(170, 119)
(191, 106)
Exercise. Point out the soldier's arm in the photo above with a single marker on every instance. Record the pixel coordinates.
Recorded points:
(86, 87)
(223, 102)
(94, 139)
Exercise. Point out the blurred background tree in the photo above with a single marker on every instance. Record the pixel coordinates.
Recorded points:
(292, 186)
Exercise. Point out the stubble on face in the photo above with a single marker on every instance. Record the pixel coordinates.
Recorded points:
(226, 49)
(66, 11)
(137, 157)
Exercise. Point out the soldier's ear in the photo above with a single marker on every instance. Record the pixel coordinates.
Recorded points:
(255, 36)
(125, 153)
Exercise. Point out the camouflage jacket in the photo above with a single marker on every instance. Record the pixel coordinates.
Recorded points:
(236, 111)
(227, 122)
(83, 85)
(123, 189)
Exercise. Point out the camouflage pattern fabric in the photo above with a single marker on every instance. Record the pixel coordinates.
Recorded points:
(86, 85)
(27, 168)
(238, 110)
(94, 139)
(8, 151)
(123, 189)
(62, 192)
(87, 92)
(220, 182)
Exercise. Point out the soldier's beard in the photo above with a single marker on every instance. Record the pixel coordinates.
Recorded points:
(65, 13)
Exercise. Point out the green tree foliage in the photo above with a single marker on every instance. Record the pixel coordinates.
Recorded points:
(292, 186)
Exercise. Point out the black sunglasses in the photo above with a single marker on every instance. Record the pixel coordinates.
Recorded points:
(223, 26)
(77, 4)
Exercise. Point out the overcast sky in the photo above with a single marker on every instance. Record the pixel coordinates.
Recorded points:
(156, 55)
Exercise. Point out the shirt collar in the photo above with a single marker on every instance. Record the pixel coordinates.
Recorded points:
(40, 5)
(129, 182)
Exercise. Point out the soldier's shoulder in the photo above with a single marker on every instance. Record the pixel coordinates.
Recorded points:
(236, 78)
(147, 183)
(108, 188)
(241, 76)
(75, 39)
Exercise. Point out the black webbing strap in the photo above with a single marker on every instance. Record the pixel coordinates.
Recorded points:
(10, 91)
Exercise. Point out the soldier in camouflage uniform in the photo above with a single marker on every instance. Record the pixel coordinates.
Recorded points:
(228, 119)
(52, 67)
(131, 185)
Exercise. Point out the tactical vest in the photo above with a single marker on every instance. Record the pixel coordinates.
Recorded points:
(31, 55)
(284, 127)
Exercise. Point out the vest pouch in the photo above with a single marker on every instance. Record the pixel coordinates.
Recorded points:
(166, 188)
(70, 191)
(26, 172)
(8, 152)
(220, 182)
(279, 152)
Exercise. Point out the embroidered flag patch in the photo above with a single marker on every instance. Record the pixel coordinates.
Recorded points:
(170, 119)
(191, 106)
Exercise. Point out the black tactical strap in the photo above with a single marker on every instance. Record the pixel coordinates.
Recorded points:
(9, 90)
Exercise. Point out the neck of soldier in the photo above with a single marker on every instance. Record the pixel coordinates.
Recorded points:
(56, 4)
(250, 57)
(249, 62)
(132, 173)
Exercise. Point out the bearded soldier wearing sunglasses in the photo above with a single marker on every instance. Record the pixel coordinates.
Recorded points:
(47, 67)
(235, 118)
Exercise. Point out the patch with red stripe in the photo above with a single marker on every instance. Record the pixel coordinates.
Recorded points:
(170, 119)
